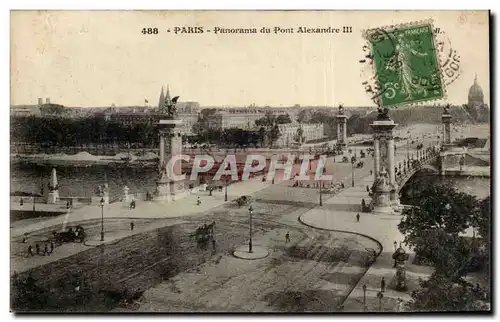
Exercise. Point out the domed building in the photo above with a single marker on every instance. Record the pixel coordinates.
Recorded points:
(475, 104)
(476, 96)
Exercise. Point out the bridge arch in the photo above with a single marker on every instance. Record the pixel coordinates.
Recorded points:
(409, 176)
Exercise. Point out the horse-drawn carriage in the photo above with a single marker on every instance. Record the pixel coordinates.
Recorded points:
(203, 235)
(70, 236)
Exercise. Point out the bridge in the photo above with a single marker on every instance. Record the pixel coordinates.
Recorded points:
(428, 159)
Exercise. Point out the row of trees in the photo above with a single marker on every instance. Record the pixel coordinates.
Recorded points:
(434, 228)
(76, 132)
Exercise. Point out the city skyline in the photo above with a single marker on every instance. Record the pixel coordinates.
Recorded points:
(56, 57)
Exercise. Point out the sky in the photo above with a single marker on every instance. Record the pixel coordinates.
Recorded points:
(99, 58)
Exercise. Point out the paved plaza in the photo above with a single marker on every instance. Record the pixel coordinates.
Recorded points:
(323, 267)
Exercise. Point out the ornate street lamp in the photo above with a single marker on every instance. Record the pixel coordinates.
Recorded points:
(408, 149)
(395, 248)
(225, 191)
(102, 218)
(364, 297)
(250, 212)
(353, 159)
(380, 296)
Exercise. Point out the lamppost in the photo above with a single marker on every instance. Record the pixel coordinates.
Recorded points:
(408, 149)
(353, 159)
(364, 297)
(250, 211)
(380, 297)
(102, 218)
(321, 190)
(225, 191)
(395, 248)
(320, 195)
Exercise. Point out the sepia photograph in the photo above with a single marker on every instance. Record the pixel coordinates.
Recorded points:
(298, 161)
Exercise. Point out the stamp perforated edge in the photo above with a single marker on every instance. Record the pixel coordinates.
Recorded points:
(416, 23)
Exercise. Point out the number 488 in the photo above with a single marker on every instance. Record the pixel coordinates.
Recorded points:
(149, 31)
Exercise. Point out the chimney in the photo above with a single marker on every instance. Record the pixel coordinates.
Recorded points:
(47, 100)
(40, 101)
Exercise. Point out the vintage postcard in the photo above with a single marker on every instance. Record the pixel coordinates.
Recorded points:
(250, 161)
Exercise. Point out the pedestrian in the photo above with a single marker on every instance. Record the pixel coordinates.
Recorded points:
(367, 189)
(37, 247)
(371, 172)
(132, 226)
(21, 202)
(357, 217)
(287, 237)
(382, 285)
(25, 236)
(51, 247)
(67, 204)
(46, 250)
(198, 201)
(30, 251)
(213, 244)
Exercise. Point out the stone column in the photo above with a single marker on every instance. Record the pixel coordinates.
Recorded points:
(344, 131)
(341, 131)
(162, 149)
(175, 149)
(376, 157)
(390, 155)
(167, 189)
(53, 195)
(446, 118)
(385, 186)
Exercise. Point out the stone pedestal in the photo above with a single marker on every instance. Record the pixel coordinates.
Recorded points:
(382, 195)
(53, 196)
(126, 197)
(167, 187)
(162, 192)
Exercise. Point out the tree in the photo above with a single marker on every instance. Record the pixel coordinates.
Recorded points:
(433, 225)
(440, 294)
(283, 119)
(270, 125)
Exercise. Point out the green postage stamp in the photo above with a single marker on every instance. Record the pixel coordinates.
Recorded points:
(406, 64)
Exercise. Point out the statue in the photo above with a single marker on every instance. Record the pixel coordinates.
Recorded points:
(383, 114)
(171, 109)
(100, 190)
(341, 109)
(447, 109)
(382, 179)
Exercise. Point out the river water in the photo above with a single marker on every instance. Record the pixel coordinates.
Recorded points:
(83, 181)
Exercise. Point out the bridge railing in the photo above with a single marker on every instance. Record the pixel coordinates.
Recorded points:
(411, 166)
